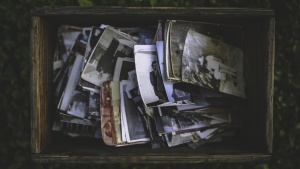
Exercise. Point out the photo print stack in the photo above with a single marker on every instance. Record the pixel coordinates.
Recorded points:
(177, 83)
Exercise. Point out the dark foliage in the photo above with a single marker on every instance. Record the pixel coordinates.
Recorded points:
(15, 80)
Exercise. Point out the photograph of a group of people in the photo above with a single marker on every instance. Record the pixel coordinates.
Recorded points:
(213, 64)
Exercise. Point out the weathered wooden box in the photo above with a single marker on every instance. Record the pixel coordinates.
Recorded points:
(255, 139)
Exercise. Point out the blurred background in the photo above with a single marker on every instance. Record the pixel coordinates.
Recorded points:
(15, 80)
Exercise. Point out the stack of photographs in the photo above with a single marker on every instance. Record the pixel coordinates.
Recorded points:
(206, 54)
(78, 112)
(174, 83)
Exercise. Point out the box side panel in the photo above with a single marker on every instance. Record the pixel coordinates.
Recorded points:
(132, 16)
(270, 84)
(72, 10)
(156, 159)
(41, 69)
(259, 51)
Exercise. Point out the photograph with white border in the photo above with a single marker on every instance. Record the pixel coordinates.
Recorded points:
(134, 127)
(111, 45)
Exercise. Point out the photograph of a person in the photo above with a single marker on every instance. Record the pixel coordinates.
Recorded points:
(101, 64)
(156, 81)
(145, 70)
(213, 64)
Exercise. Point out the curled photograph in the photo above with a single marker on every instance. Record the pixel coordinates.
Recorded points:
(101, 64)
(213, 64)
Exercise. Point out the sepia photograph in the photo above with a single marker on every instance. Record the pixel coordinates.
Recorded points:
(178, 31)
(213, 64)
(107, 125)
(116, 110)
(168, 63)
(101, 64)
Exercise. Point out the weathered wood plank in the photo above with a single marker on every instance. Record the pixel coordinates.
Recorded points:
(40, 83)
(270, 84)
(35, 119)
(238, 12)
(133, 158)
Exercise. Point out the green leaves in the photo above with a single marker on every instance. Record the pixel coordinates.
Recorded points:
(85, 3)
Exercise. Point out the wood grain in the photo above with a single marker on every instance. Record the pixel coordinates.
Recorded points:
(133, 158)
(238, 12)
(270, 84)
(41, 70)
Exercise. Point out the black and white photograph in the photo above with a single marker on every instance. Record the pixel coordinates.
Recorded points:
(146, 36)
(174, 140)
(75, 126)
(146, 75)
(89, 86)
(206, 97)
(67, 36)
(135, 129)
(183, 122)
(223, 117)
(132, 78)
(71, 83)
(178, 32)
(94, 106)
(122, 68)
(177, 36)
(213, 64)
(94, 36)
(129, 92)
(168, 64)
(174, 95)
(64, 74)
(79, 104)
(101, 64)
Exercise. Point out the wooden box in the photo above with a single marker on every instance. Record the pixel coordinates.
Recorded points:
(254, 143)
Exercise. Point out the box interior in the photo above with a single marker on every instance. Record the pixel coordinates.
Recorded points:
(252, 137)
